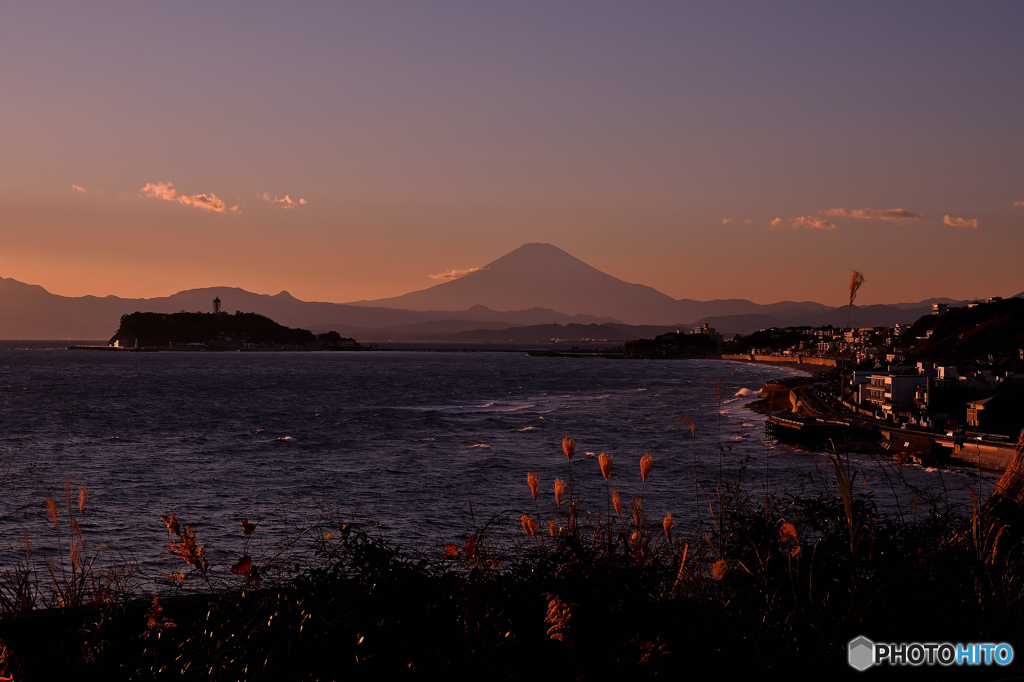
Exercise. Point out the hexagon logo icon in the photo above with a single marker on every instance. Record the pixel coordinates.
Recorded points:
(861, 652)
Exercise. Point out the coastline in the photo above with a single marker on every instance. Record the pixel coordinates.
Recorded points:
(807, 365)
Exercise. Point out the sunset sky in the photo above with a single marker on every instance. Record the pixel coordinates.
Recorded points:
(346, 151)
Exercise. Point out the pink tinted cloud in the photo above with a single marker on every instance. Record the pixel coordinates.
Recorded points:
(898, 215)
(776, 222)
(810, 223)
(208, 202)
(960, 222)
(726, 221)
(1019, 203)
(286, 203)
(159, 190)
(166, 191)
(76, 187)
(452, 274)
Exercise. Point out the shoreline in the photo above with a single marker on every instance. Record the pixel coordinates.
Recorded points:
(807, 367)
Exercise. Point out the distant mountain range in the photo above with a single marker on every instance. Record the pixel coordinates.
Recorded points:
(535, 286)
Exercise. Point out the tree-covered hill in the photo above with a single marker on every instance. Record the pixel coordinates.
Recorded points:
(211, 329)
(675, 345)
(970, 332)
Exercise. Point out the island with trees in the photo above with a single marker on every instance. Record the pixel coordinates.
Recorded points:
(219, 331)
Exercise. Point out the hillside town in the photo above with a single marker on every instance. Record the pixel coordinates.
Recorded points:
(948, 386)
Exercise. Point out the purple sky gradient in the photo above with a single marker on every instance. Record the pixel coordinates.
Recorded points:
(426, 137)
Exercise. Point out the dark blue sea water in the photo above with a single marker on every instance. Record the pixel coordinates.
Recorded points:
(424, 445)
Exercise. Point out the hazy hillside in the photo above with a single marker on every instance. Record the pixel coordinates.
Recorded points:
(30, 312)
(536, 284)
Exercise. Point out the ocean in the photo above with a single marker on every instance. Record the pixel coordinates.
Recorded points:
(422, 447)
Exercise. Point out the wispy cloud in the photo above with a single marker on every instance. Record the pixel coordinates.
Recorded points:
(726, 221)
(898, 215)
(80, 189)
(1019, 203)
(209, 202)
(286, 203)
(810, 223)
(960, 222)
(452, 274)
(776, 222)
(166, 191)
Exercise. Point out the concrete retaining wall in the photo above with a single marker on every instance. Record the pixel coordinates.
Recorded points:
(791, 359)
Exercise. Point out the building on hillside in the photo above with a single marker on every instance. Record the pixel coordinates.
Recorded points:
(890, 394)
(1001, 414)
(708, 331)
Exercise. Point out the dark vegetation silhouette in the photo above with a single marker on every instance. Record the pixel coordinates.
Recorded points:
(562, 588)
(219, 331)
(966, 333)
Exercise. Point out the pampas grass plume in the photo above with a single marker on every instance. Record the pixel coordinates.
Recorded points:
(51, 510)
(606, 465)
(533, 478)
(856, 282)
(559, 491)
(568, 447)
(668, 524)
(646, 462)
(617, 502)
(529, 525)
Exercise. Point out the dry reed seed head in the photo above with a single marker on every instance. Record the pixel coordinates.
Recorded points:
(638, 509)
(533, 479)
(559, 616)
(552, 527)
(668, 524)
(688, 422)
(856, 282)
(559, 491)
(617, 502)
(171, 521)
(719, 568)
(83, 497)
(606, 465)
(787, 532)
(720, 385)
(51, 511)
(646, 462)
(529, 525)
(568, 447)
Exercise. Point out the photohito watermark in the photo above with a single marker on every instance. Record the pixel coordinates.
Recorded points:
(863, 653)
